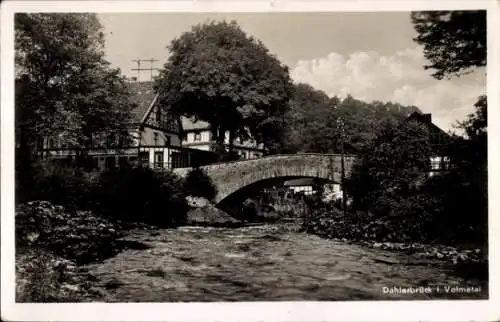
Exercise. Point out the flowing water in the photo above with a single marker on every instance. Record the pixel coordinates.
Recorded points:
(267, 263)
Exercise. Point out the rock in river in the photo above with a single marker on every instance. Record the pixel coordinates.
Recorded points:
(209, 215)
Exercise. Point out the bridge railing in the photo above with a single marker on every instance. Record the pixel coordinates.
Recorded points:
(223, 163)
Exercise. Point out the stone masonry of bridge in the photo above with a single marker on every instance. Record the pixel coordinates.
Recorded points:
(232, 176)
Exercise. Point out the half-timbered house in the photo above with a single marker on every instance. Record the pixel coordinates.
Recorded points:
(439, 141)
(155, 137)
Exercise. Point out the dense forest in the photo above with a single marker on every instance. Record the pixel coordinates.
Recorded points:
(312, 121)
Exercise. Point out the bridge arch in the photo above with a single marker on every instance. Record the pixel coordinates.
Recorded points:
(231, 177)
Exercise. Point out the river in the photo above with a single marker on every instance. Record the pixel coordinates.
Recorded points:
(268, 263)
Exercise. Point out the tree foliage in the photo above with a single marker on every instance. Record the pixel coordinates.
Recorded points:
(312, 121)
(64, 86)
(141, 195)
(469, 154)
(198, 184)
(475, 125)
(454, 41)
(306, 127)
(464, 190)
(391, 187)
(392, 170)
(218, 74)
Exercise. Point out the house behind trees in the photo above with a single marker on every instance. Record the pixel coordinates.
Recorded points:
(198, 135)
(439, 141)
(157, 139)
(154, 139)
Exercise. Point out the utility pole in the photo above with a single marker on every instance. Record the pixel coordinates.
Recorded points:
(340, 124)
(139, 69)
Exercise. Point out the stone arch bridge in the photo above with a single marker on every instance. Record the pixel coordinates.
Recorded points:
(235, 177)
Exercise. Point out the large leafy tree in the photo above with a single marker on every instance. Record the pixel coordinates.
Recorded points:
(469, 153)
(455, 44)
(392, 170)
(454, 41)
(312, 122)
(363, 121)
(65, 89)
(307, 127)
(476, 123)
(218, 74)
(463, 191)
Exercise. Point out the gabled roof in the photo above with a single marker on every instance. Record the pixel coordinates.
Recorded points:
(143, 96)
(427, 120)
(188, 124)
(439, 139)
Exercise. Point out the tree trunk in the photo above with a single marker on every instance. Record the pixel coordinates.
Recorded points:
(219, 143)
(231, 143)
(24, 169)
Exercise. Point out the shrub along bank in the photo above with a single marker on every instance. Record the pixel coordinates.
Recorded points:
(51, 243)
(128, 194)
(394, 201)
(398, 233)
(67, 217)
(80, 236)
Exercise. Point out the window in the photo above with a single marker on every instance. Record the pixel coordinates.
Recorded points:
(110, 162)
(197, 136)
(184, 136)
(155, 138)
(95, 162)
(167, 140)
(110, 141)
(159, 117)
(132, 160)
(176, 160)
(123, 162)
(435, 163)
(159, 159)
(172, 124)
(144, 158)
(39, 144)
(123, 140)
(440, 163)
(50, 143)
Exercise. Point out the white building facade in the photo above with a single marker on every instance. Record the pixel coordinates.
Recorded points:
(197, 135)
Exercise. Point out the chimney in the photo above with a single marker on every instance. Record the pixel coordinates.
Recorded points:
(427, 118)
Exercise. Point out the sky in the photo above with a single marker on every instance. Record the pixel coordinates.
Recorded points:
(369, 55)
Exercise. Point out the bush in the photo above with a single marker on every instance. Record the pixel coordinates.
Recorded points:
(142, 195)
(60, 184)
(462, 212)
(322, 219)
(44, 277)
(198, 184)
(79, 236)
(252, 210)
(394, 220)
(422, 217)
